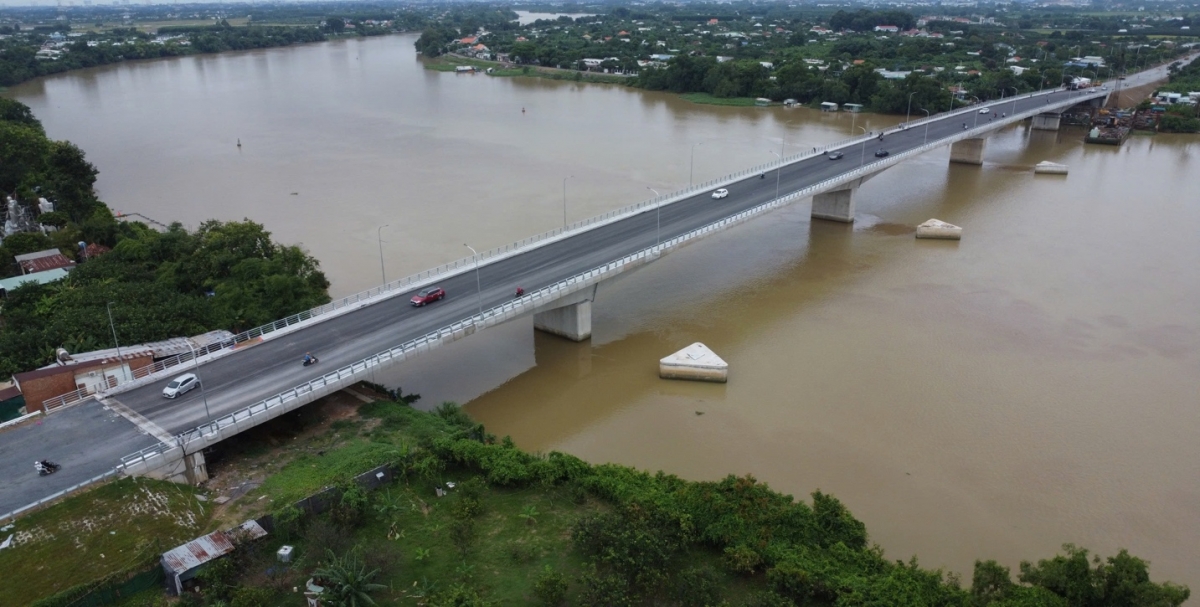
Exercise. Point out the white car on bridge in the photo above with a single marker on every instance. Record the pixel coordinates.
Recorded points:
(181, 385)
(721, 193)
(985, 110)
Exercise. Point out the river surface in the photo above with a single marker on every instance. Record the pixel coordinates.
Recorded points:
(1034, 384)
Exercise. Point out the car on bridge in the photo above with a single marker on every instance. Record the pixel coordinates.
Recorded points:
(429, 295)
(836, 155)
(986, 110)
(721, 193)
(181, 385)
(881, 153)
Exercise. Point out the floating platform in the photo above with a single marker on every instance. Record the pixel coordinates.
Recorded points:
(940, 230)
(695, 362)
(1050, 168)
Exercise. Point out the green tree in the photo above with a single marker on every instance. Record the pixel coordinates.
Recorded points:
(336, 25)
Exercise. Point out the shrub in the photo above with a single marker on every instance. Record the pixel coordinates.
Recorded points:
(550, 588)
(521, 552)
(742, 559)
(697, 586)
(351, 506)
(251, 597)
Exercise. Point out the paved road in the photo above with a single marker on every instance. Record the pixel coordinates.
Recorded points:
(87, 440)
(238, 380)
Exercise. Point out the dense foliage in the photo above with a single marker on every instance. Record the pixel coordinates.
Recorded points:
(661, 540)
(224, 275)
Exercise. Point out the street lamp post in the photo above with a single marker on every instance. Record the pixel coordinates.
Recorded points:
(976, 113)
(908, 114)
(379, 236)
(657, 216)
(926, 123)
(863, 160)
(203, 394)
(1014, 98)
(777, 172)
(108, 307)
(565, 200)
(478, 287)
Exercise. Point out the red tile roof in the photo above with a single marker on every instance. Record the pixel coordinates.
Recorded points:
(49, 262)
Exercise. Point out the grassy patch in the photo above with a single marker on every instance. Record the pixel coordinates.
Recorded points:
(99, 532)
(309, 473)
(707, 99)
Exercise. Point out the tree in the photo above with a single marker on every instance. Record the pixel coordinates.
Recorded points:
(336, 25)
(346, 581)
(18, 113)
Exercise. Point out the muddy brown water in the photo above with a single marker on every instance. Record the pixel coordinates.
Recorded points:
(1034, 384)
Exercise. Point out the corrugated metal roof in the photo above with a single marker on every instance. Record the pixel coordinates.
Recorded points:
(207, 548)
(8, 284)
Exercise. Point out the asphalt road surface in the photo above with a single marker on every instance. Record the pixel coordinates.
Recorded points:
(261, 371)
(87, 440)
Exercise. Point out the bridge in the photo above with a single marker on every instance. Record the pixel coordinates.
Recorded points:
(257, 376)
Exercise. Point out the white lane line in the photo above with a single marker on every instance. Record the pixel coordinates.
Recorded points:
(146, 425)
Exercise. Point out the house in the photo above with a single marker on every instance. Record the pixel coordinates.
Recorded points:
(887, 29)
(853, 107)
(59, 380)
(829, 106)
(713, 21)
(41, 261)
(468, 41)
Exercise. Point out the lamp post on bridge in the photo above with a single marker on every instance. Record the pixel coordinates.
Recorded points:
(203, 394)
(976, 113)
(379, 235)
(908, 114)
(863, 160)
(1014, 98)
(926, 123)
(777, 172)
(478, 287)
(565, 200)
(657, 216)
(108, 307)
(692, 164)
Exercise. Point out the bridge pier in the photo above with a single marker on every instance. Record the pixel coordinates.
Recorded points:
(836, 205)
(967, 151)
(1047, 122)
(570, 317)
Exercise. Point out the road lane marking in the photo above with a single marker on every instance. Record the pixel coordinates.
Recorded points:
(138, 420)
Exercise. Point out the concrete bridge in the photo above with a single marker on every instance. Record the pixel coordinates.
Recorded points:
(257, 376)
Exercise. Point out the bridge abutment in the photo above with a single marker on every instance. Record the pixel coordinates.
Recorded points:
(967, 151)
(569, 317)
(1047, 122)
(836, 205)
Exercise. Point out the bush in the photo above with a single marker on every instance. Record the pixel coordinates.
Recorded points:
(351, 507)
(521, 552)
(550, 588)
(742, 559)
(251, 597)
(605, 590)
(697, 586)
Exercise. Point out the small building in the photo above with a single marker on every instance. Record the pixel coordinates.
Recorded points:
(829, 106)
(8, 284)
(789, 102)
(762, 102)
(852, 107)
(41, 261)
(182, 563)
(58, 380)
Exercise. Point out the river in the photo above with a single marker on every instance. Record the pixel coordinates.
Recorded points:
(1035, 384)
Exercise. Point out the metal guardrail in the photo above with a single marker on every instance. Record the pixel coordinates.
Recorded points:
(397, 286)
(533, 299)
(50, 498)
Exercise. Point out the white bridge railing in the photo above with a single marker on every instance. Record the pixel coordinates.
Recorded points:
(271, 407)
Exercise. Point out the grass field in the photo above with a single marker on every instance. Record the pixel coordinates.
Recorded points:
(96, 533)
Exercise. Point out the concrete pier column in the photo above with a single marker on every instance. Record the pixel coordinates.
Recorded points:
(1047, 122)
(835, 205)
(967, 151)
(196, 470)
(572, 321)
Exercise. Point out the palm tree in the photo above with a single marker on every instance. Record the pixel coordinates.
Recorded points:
(346, 581)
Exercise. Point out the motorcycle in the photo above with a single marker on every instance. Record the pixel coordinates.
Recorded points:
(519, 292)
(762, 175)
(311, 360)
(46, 467)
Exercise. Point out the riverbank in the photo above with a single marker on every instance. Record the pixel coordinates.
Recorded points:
(450, 63)
(464, 515)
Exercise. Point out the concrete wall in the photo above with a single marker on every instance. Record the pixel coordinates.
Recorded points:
(967, 151)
